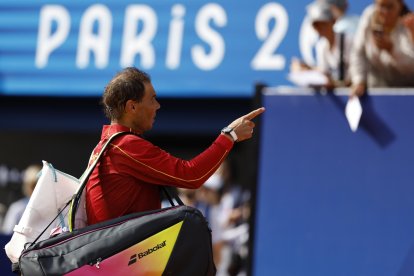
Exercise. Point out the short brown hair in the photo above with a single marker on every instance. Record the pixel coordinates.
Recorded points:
(126, 85)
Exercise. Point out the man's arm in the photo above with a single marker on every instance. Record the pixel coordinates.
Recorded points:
(150, 164)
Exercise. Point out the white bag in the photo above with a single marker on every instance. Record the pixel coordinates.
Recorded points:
(53, 191)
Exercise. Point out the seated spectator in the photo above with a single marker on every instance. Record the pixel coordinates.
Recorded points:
(16, 209)
(332, 48)
(383, 50)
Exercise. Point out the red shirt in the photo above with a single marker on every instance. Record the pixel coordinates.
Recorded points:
(126, 178)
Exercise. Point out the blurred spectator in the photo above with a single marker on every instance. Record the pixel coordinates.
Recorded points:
(226, 207)
(209, 205)
(344, 22)
(16, 209)
(383, 50)
(234, 218)
(236, 238)
(332, 49)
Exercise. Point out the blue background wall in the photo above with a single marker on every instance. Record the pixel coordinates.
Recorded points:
(330, 201)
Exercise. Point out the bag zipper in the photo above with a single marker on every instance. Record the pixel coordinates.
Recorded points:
(96, 263)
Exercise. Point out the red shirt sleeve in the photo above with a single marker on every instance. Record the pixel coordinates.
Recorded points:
(148, 163)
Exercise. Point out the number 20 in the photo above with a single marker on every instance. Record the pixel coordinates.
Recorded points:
(265, 58)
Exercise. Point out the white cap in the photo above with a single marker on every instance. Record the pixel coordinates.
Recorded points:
(319, 11)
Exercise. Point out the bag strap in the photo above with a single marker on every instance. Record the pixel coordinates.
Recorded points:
(76, 197)
(27, 245)
(168, 191)
(74, 203)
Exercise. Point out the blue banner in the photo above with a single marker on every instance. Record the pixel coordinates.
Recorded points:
(190, 48)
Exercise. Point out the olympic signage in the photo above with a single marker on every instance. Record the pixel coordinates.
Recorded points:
(190, 48)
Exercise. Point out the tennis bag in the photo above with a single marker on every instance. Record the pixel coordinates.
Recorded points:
(169, 241)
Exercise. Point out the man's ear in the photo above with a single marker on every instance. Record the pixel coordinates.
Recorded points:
(130, 106)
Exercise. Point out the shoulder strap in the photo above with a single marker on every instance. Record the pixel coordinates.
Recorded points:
(84, 179)
(75, 199)
(88, 172)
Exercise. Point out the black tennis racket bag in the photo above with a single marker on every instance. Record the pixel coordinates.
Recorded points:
(170, 241)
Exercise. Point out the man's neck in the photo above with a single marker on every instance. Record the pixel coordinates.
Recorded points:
(125, 124)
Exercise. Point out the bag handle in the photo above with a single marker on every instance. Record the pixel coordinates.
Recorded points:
(168, 191)
(84, 179)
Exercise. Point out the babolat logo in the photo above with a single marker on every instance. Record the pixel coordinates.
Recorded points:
(138, 256)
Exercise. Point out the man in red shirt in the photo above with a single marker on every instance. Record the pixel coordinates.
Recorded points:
(128, 176)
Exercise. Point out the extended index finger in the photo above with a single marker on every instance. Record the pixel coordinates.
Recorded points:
(254, 113)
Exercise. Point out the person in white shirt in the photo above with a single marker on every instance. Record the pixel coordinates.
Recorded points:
(332, 49)
(383, 49)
